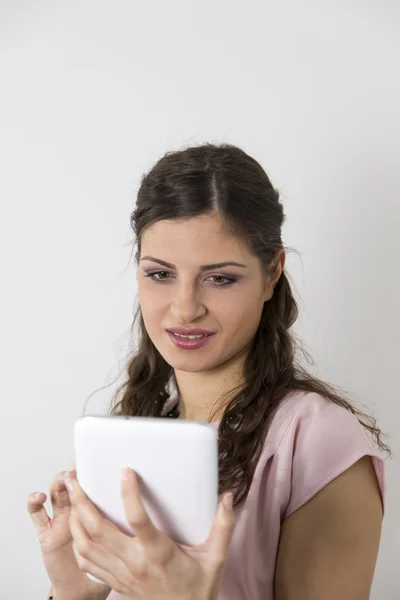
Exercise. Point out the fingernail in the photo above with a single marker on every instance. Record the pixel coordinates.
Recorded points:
(126, 474)
(68, 484)
(228, 501)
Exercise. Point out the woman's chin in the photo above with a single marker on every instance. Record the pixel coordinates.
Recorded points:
(189, 362)
(188, 366)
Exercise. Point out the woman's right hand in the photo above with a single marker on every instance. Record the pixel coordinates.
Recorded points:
(56, 544)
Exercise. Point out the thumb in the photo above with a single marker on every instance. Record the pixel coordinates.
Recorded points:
(222, 531)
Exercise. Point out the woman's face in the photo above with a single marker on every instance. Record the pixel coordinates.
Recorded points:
(227, 300)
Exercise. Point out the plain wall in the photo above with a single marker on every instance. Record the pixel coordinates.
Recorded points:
(92, 93)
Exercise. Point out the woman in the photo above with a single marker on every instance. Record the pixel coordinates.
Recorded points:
(306, 477)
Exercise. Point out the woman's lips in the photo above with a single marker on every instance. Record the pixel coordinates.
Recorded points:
(189, 344)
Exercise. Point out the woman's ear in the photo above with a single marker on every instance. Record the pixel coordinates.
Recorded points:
(280, 262)
(273, 278)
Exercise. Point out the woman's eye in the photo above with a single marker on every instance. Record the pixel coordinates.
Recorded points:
(227, 280)
(219, 280)
(153, 275)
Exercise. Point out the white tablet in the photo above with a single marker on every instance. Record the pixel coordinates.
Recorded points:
(177, 461)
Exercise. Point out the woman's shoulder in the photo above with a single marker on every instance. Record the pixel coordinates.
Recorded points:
(299, 403)
(315, 440)
(307, 420)
(295, 409)
(298, 409)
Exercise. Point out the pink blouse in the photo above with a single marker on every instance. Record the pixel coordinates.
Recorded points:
(310, 441)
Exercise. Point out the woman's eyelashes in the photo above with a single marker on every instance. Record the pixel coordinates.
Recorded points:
(153, 275)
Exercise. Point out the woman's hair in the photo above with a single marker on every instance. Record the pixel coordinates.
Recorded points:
(223, 178)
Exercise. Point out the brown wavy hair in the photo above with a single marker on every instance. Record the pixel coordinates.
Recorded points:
(200, 180)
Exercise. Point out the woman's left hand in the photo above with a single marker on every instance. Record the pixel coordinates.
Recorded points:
(149, 565)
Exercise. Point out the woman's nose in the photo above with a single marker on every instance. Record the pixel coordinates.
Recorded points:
(187, 305)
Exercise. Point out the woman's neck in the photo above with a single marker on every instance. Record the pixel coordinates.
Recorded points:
(200, 393)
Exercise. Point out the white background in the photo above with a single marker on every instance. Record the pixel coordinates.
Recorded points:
(92, 93)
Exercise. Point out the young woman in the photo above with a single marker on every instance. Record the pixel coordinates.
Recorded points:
(304, 465)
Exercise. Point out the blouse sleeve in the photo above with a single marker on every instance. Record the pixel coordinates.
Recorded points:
(328, 441)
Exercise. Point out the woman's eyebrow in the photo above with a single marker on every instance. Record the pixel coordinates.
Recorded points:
(202, 268)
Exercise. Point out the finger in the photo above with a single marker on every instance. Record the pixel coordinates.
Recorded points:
(84, 509)
(59, 495)
(98, 526)
(157, 546)
(221, 534)
(101, 531)
(94, 559)
(37, 511)
(59, 498)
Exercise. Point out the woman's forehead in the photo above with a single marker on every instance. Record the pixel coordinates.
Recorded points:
(205, 235)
